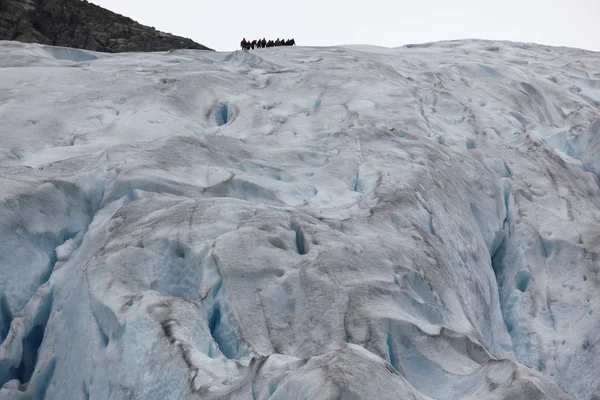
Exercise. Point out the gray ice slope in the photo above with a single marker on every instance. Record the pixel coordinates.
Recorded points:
(300, 223)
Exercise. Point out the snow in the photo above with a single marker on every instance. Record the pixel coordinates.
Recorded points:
(300, 223)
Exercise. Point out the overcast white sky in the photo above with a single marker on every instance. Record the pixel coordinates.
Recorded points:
(222, 24)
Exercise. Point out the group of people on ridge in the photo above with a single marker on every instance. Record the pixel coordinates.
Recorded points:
(262, 43)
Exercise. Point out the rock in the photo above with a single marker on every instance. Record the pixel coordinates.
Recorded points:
(83, 25)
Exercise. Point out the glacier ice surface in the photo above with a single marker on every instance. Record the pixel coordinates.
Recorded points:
(300, 223)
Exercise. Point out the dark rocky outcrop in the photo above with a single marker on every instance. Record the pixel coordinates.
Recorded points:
(83, 25)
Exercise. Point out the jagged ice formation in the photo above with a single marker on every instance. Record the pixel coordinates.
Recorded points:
(300, 223)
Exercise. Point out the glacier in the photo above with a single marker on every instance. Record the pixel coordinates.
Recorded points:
(348, 222)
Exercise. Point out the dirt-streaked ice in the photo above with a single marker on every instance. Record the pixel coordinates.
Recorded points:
(300, 223)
